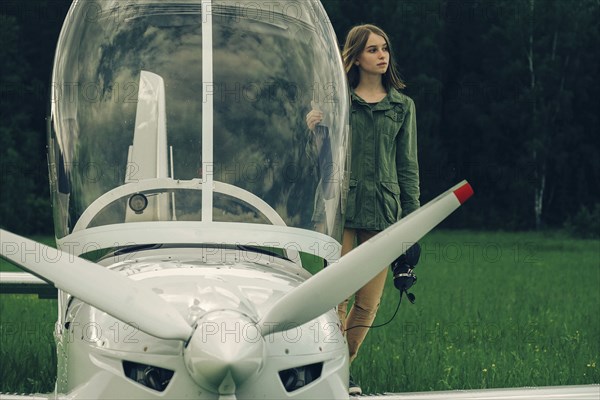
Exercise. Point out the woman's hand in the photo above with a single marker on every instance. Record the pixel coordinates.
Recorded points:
(314, 117)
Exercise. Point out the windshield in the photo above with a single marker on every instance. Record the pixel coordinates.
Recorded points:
(165, 111)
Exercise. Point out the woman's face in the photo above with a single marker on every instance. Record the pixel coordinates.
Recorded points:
(375, 58)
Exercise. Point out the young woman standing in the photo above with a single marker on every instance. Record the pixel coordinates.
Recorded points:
(384, 178)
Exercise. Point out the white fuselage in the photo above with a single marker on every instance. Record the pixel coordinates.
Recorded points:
(103, 357)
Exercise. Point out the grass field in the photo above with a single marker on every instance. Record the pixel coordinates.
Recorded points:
(492, 310)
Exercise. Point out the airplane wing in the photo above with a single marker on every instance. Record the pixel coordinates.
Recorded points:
(531, 393)
(25, 283)
(577, 392)
(7, 396)
(582, 392)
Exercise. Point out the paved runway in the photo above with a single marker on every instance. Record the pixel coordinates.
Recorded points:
(550, 393)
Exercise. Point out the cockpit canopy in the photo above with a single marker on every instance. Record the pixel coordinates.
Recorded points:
(194, 111)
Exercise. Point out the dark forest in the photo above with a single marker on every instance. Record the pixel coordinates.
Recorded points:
(506, 94)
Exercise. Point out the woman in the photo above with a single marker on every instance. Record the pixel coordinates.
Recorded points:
(384, 178)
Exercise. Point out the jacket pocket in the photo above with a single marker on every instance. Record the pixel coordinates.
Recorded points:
(391, 201)
(391, 124)
(351, 202)
(396, 114)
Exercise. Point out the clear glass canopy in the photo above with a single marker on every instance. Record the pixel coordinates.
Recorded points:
(178, 111)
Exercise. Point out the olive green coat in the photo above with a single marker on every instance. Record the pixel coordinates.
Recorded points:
(384, 178)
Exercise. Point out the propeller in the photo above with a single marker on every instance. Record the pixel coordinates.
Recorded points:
(214, 364)
(131, 302)
(106, 290)
(340, 280)
(225, 351)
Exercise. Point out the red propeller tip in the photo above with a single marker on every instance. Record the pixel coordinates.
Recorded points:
(463, 193)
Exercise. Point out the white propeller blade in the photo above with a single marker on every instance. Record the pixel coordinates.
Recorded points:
(338, 281)
(106, 290)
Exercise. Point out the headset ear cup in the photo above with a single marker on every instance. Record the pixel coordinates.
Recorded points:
(413, 254)
(410, 257)
(400, 260)
(404, 278)
(402, 268)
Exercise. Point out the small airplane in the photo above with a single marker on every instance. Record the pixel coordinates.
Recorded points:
(186, 203)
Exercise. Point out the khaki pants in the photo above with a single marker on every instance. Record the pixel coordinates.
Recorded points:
(366, 299)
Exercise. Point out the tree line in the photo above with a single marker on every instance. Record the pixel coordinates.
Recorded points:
(506, 94)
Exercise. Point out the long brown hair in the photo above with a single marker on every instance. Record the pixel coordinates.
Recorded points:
(356, 41)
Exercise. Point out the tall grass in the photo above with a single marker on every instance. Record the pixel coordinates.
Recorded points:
(27, 351)
(492, 310)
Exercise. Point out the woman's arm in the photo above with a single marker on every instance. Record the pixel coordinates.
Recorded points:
(407, 163)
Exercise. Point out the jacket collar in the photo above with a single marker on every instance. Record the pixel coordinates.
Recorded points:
(393, 97)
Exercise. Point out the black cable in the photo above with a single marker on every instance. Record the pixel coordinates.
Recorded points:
(404, 279)
(380, 325)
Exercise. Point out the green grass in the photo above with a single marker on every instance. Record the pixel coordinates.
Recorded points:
(5, 266)
(27, 351)
(492, 310)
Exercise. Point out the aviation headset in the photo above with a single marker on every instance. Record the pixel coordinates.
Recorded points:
(404, 279)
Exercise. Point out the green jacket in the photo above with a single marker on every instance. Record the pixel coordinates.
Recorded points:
(384, 178)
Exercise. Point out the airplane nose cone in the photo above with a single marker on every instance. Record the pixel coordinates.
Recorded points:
(225, 350)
